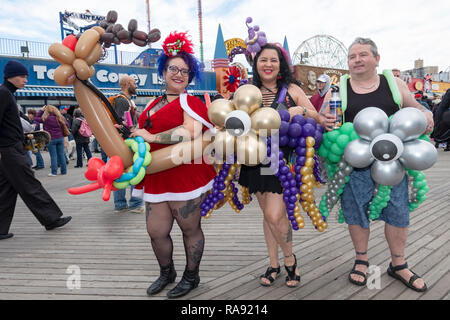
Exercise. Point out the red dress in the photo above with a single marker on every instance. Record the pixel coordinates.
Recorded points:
(186, 181)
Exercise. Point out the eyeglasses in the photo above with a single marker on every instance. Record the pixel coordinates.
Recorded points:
(174, 70)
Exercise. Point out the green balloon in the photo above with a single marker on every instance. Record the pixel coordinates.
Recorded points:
(342, 141)
(336, 149)
(347, 128)
(323, 151)
(354, 136)
(420, 176)
(327, 143)
(420, 183)
(333, 135)
(334, 158)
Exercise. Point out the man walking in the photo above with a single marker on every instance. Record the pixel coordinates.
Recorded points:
(16, 176)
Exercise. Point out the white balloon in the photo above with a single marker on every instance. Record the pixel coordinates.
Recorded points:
(408, 124)
(371, 122)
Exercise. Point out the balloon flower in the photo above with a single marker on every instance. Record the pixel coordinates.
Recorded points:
(390, 147)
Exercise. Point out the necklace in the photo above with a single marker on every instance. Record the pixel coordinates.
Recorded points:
(368, 88)
(269, 89)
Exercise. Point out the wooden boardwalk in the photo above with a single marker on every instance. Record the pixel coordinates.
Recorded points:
(115, 258)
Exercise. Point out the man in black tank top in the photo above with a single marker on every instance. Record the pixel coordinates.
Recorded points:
(368, 89)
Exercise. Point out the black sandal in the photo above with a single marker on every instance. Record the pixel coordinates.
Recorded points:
(291, 276)
(268, 276)
(359, 273)
(392, 272)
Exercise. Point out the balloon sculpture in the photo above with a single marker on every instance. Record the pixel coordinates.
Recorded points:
(256, 39)
(243, 125)
(298, 174)
(390, 147)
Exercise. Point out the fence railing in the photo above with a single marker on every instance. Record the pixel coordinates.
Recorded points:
(34, 49)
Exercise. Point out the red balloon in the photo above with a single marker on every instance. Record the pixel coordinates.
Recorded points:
(70, 42)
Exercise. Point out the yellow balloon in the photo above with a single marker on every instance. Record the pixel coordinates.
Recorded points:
(266, 121)
(247, 98)
(218, 110)
(305, 188)
(310, 142)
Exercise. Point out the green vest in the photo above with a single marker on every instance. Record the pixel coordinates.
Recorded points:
(392, 86)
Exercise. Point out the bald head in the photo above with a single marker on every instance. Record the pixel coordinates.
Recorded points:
(127, 85)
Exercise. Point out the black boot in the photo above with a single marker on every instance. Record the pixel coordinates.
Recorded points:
(189, 281)
(167, 275)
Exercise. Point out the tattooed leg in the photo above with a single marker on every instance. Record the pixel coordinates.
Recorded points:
(187, 214)
(159, 221)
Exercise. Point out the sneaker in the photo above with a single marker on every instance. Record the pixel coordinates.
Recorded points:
(52, 175)
(6, 236)
(121, 210)
(137, 210)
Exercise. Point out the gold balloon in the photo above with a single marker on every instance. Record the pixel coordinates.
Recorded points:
(306, 170)
(310, 152)
(247, 98)
(307, 178)
(310, 142)
(266, 121)
(250, 150)
(305, 188)
(309, 162)
(218, 110)
(224, 144)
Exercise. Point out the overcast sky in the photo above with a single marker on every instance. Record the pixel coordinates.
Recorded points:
(404, 30)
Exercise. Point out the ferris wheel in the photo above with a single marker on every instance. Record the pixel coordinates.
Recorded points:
(321, 51)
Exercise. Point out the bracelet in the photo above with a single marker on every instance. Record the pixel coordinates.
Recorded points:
(304, 110)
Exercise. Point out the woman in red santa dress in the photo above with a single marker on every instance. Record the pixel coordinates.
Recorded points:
(175, 194)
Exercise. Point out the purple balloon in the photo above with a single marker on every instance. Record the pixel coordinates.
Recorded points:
(286, 193)
(282, 163)
(301, 142)
(284, 140)
(295, 130)
(284, 170)
(284, 115)
(292, 142)
(318, 136)
(299, 119)
(308, 130)
(301, 160)
(291, 206)
(280, 155)
(284, 127)
(293, 190)
(282, 177)
(292, 199)
(311, 121)
(300, 151)
(320, 128)
(286, 184)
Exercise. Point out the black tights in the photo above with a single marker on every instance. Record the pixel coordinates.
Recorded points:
(160, 217)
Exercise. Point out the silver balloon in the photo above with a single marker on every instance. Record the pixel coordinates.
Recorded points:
(357, 154)
(419, 155)
(387, 173)
(348, 170)
(408, 124)
(371, 122)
